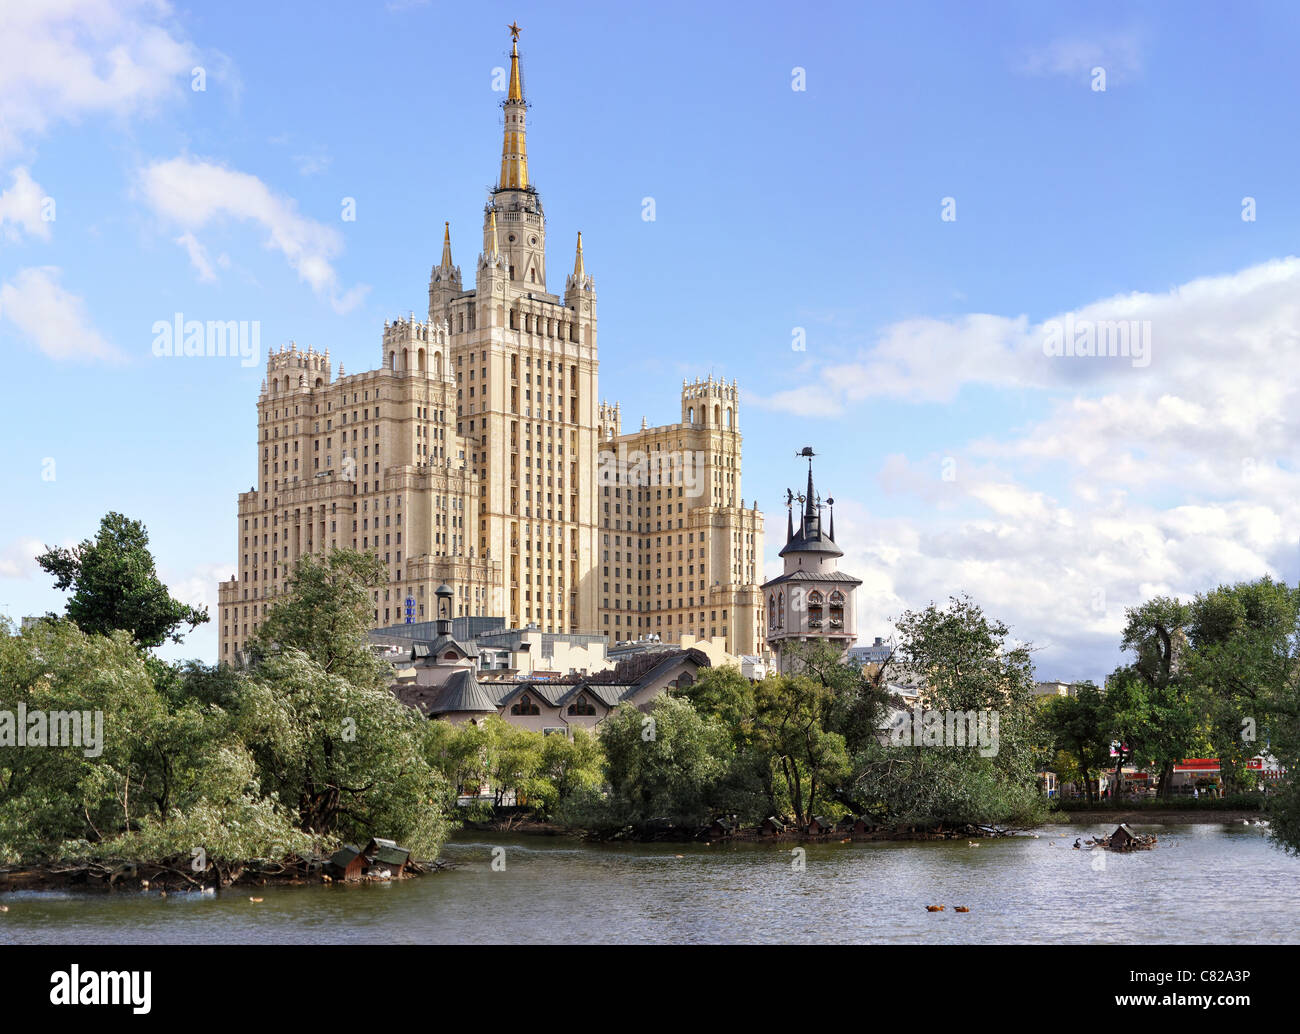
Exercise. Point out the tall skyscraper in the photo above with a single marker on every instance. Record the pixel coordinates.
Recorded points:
(474, 455)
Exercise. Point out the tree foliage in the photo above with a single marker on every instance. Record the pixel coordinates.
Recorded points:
(114, 586)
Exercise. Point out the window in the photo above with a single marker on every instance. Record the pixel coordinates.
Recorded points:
(815, 609)
(582, 706)
(525, 706)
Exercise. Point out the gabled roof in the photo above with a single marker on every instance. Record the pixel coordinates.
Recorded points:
(546, 692)
(440, 645)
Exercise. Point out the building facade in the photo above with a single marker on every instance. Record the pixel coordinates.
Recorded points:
(471, 457)
(679, 550)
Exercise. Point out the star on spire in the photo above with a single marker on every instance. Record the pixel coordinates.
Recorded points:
(514, 30)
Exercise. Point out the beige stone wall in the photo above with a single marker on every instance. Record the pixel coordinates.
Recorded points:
(679, 551)
(372, 462)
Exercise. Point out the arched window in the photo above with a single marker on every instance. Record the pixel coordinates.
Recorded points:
(582, 706)
(419, 359)
(815, 601)
(771, 611)
(837, 609)
(525, 706)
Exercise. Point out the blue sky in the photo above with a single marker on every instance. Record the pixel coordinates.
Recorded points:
(1056, 490)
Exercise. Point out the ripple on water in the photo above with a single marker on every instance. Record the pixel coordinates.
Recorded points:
(1210, 883)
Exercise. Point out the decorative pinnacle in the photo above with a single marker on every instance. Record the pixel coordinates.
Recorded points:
(446, 245)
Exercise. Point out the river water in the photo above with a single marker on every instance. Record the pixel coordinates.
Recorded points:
(1202, 884)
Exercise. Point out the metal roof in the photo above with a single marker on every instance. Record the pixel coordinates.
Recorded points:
(462, 692)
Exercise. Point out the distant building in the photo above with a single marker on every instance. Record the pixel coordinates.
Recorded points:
(877, 653)
(811, 601)
(456, 693)
(1053, 689)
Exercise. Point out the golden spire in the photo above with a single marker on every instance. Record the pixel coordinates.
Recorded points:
(514, 152)
(446, 245)
(516, 90)
(578, 270)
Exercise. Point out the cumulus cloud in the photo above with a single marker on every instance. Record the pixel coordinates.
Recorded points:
(61, 60)
(51, 318)
(22, 208)
(195, 194)
(1167, 479)
(18, 558)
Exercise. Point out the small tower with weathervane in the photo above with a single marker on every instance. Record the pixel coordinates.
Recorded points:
(811, 600)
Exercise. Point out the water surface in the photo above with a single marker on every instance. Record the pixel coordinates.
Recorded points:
(1211, 883)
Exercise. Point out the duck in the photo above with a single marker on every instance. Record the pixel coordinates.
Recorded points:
(1245, 822)
(847, 840)
(679, 856)
(972, 843)
(256, 901)
(960, 908)
(934, 908)
(4, 908)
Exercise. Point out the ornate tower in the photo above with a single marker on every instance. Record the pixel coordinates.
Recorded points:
(812, 600)
(444, 281)
(515, 204)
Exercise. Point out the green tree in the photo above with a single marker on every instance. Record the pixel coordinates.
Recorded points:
(326, 613)
(810, 761)
(1243, 666)
(966, 662)
(664, 765)
(1156, 633)
(1072, 725)
(114, 585)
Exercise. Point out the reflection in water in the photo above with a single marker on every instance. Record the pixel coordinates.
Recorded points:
(1202, 884)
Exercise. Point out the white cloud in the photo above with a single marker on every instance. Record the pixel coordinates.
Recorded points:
(1169, 479)
(21, 208)
(194, 194)
(18, 558)
(52, 319)
(198, 256)
(61, 60)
